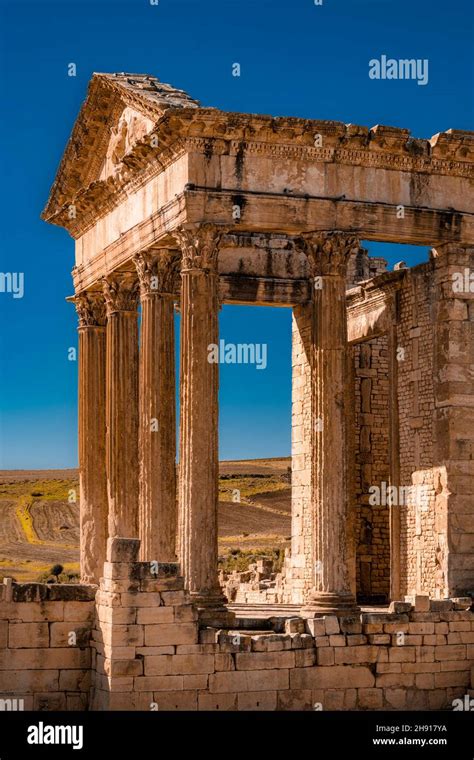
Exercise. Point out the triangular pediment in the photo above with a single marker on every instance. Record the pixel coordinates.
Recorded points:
(131, 127)
(119, 111)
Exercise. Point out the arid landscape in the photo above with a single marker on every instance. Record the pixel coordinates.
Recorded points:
(39, 516)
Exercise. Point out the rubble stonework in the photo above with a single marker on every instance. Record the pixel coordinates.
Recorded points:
(243, 208)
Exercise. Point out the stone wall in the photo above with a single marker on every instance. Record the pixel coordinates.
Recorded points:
(45, 655)
(148, 652)
(372, 529)
(421, 532)
(299, 571)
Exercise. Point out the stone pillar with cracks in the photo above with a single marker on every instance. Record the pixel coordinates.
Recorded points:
(328, 254)
(92, 473)
(121, 296)
(198, 448)
(157, 272)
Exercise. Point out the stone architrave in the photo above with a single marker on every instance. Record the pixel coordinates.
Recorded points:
(328, 255)
(157, 273)
(92, 472)
(121, 296)
(198, 448)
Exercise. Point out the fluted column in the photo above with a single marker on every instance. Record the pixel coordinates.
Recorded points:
(198, 447)
(121, 296)
(92, 474)
(328, 254)
(157, 274)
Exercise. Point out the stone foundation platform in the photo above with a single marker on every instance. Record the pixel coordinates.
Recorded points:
(135, 643)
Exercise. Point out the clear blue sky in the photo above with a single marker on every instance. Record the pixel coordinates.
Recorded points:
(297, 59)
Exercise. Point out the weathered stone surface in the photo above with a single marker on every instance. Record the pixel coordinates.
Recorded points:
(21, 635)
(248, 681)
(92, 475)
(157, 425)
(344, 676)
(122, 549)
(362, 416)
(264, 660)
(176, 633)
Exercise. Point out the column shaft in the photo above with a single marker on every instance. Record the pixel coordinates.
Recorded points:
(199, 458)
(328, 255)
(91, 428)
(157, 424)
(121, 292)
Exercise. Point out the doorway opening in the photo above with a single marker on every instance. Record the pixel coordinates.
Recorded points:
(254, 516)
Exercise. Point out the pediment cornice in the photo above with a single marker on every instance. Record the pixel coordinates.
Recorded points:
(181, 126)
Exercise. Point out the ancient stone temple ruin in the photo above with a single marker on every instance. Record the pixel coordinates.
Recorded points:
(176, 206)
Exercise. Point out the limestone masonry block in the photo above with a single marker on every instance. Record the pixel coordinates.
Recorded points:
(295, 625)
(259, 700)
(170, 633)
(137, 599)
(158, 683)
(122, 635)
(21, 635)
(315, 626)
(441, 605)
(122, 549)
(305, 658)
(352, 625)
(79, 612)
(70, 633)
(400, 607)
(199, 681)
(356, 639)
(420, 602)
(264, 660)
(245, 681)
(150, 615)
(462, 602)
(221, 702)
(224, 662)
(123, 667)
(331, 624)
(324, 656)
(370, 699)
(117, 615)
(345, 676)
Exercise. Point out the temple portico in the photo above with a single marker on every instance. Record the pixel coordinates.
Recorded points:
(197, 208)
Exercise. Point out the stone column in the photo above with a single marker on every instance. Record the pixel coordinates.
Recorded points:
(121, 296)
(198, 447)
(92, 474)
(453, 347)
(394, 450)
(157, 274)
(328, 254)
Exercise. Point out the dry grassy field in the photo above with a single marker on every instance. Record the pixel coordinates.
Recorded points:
(39, 515)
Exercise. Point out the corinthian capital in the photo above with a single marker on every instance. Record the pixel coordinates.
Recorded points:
(90, 309)
(327, 252)
(199, 246)
(120, 292)
(157, 272)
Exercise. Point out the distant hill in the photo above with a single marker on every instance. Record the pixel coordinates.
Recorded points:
(39, 519)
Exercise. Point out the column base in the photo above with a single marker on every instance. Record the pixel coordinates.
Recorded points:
(212, 610)
(321, 603)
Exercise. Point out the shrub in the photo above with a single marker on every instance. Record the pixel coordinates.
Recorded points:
(56, 570)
